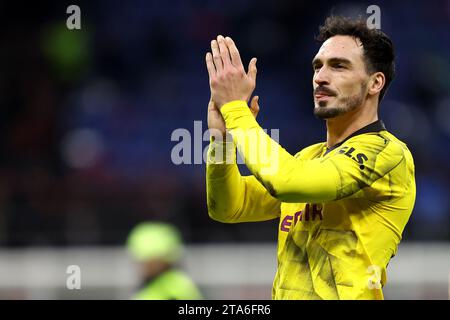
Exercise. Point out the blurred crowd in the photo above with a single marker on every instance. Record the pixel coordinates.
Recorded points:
(87, 115)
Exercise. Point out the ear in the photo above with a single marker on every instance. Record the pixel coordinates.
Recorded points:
(376, 83)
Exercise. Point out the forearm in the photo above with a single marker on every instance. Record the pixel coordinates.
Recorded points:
(285, 177)
(231, 197)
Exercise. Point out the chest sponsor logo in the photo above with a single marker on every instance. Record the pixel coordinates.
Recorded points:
(311, 212)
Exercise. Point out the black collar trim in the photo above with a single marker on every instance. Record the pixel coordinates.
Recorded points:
(376, 126)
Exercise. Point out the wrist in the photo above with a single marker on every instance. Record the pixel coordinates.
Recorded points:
(237, 114)
(232, 102)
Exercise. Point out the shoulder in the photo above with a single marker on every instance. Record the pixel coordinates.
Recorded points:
(311, 151)
(376, 143)
(182, 286)
(379, 150)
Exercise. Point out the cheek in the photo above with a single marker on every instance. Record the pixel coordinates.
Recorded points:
(349, 86)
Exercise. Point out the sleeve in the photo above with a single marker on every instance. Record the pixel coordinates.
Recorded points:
(292, 179)
(233, 198)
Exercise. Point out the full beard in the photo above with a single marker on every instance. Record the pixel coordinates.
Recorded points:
(342, 105)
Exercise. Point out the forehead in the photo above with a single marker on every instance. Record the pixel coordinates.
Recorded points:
(341, 46)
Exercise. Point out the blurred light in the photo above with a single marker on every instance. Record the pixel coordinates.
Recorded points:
(406, 121)
(399, 111)
(434, 71)
(68, 51)
(82, 148)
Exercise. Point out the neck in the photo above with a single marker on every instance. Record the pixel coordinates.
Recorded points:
(339, 128)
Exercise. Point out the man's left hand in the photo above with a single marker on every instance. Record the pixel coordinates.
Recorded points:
(227, 78)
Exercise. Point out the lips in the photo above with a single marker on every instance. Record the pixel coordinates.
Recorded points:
(322, 96)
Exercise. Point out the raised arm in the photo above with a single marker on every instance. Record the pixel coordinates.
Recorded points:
(358, 163)
(231, 197)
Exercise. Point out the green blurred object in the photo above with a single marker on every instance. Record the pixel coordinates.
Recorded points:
(155, 240)
(67, 50)
(150, 242)
(171, 285)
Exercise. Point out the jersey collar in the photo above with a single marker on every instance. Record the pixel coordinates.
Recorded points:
(376, 126)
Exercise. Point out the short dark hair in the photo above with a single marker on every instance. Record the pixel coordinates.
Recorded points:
(378, 49)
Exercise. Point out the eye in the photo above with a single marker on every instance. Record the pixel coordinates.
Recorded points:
(339, 66)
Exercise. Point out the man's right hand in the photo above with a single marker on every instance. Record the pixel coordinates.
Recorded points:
(215, 119)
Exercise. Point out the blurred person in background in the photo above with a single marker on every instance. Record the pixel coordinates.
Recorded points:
(344, 203)
(157, 248)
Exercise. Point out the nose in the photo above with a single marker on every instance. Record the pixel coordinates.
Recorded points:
(321, 76)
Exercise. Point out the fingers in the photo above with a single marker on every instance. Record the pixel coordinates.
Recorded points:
(210, 65)
(252, 69)
(224, 52)
(216, 56)
(254, 106)
(234, 53)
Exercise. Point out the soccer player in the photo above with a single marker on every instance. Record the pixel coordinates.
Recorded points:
(342, 203)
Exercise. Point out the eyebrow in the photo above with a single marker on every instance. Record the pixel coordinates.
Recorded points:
(332, 60)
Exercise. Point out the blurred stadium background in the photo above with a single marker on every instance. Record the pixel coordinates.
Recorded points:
(86, 123)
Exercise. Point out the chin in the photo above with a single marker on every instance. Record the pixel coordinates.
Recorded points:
(326, 112)
(323, 104)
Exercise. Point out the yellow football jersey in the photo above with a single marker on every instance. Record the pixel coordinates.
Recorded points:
(342, 210)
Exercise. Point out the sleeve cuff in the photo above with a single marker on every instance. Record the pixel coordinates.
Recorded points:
(237, 114)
